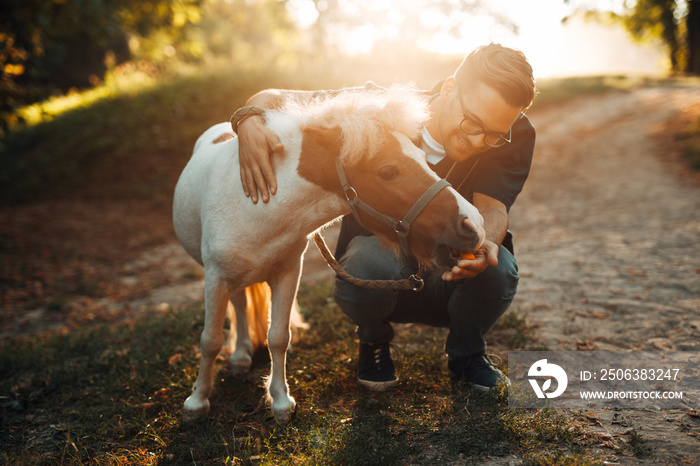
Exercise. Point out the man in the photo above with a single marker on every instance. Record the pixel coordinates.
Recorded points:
(480, 141)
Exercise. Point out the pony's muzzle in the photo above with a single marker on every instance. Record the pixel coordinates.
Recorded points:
(472, 232)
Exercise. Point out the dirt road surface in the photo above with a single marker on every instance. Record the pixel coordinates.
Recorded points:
(607, 229)
(607, 236)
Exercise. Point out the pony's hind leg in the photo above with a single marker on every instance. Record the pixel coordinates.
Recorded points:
(242, 357)
(216, 296)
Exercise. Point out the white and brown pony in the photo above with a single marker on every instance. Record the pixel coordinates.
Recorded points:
(362, 136)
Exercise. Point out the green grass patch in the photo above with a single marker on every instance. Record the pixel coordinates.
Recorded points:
(130, 143)
(113, 395)
(124, 145)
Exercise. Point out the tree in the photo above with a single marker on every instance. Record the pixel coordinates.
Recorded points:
(693, 36)
(657, 18)
(52, 45)
(46, 45)
(675, 22)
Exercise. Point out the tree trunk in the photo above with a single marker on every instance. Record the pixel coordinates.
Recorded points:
(693, 37)
(670, 31)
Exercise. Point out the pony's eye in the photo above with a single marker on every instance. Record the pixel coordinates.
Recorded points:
(389, 173)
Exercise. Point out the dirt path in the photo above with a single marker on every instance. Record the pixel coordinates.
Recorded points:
(607, 237)
(607, 232)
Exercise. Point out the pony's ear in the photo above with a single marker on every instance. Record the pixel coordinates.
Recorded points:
(328, 139)
(319, 146)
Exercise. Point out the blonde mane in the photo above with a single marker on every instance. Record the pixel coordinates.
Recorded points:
(365, 116)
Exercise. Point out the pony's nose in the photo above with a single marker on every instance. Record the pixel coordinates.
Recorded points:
(472, 232)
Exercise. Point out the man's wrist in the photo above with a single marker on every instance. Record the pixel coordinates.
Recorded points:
(248, 121)
(245, 113)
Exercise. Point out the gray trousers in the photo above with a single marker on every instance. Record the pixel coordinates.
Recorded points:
(469, 307)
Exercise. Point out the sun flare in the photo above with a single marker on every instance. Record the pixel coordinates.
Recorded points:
(536, 28)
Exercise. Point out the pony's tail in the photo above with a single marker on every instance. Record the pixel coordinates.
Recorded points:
(258, 299)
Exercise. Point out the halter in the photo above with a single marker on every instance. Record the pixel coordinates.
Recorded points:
(401, 227)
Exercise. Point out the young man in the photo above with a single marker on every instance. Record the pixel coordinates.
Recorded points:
(480, 141)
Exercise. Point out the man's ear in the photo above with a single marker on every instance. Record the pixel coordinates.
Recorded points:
(448, 88)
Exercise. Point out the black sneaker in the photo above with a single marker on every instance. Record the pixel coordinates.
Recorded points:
(477, 370)
(375, 369)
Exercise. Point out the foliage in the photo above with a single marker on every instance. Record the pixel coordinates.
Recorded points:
(158, 28)
(50, 46)
(675, 22)
(693, 36)
(658, 18)
(240, 31)
(54, 44)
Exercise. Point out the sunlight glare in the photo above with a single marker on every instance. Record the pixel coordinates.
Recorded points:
(304, 12)
(360, 40)
(552, 48)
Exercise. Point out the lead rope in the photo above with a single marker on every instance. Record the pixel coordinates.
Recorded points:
(413, 283)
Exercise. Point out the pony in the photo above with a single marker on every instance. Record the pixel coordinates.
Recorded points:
(347, 152)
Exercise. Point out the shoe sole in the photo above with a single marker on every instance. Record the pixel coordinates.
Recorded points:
(378, 386)
(481, 388)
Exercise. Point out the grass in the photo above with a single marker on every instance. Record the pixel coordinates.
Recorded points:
(113, 395)
(126, 143)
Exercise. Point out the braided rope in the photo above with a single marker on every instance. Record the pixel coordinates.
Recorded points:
(414, 282)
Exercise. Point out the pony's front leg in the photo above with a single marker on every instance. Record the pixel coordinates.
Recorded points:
(242, 357)
(284, 290)
(216, 295)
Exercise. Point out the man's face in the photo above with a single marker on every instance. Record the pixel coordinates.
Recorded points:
(483, 108)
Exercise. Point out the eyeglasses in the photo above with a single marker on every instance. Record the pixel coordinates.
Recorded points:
(472, 128)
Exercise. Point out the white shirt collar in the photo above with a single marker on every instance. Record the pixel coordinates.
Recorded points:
(432, 148)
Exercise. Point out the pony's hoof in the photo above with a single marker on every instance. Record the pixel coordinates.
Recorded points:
(285, 411)
(194, 408)
(240, 364)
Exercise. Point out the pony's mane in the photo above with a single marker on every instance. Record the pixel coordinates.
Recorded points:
(365, 116)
